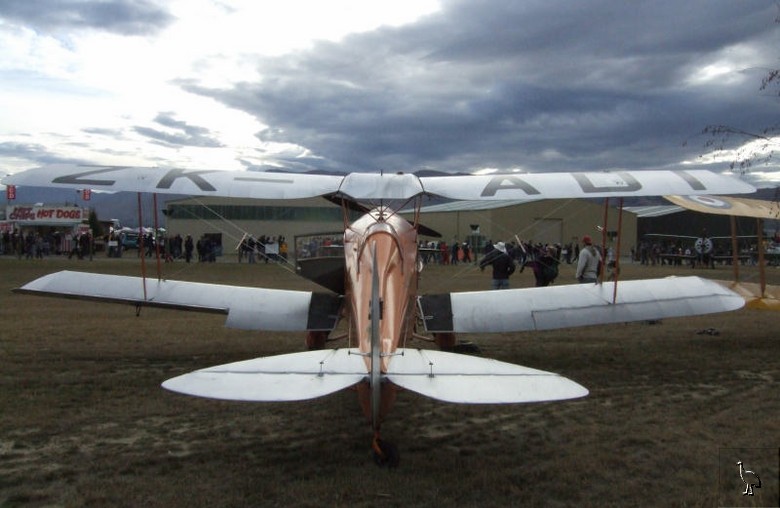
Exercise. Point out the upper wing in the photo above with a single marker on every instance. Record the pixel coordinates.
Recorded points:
(247, 308)
(365, 186)
(584, 185)
(234, 184)
(575, 305)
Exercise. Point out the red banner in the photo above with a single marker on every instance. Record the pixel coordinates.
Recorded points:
(10, 192)
(86, 194)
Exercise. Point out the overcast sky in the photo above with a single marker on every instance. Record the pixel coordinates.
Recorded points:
(356, 85)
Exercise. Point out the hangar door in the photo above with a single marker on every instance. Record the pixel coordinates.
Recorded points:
(547, 231)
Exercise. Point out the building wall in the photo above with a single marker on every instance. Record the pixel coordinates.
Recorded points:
(556, 221)
(233, 229)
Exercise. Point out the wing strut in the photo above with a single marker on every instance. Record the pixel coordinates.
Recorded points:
(141, 244)
(734, 248)
(760, 246)
(604, 240)
(617, 251)
(156, 239)
(616, 272)
(761, 260)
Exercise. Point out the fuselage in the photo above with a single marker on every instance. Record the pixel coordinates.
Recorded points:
(395, 241)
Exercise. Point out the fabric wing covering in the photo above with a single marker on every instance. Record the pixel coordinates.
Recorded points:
(247, 308)
(575, 305)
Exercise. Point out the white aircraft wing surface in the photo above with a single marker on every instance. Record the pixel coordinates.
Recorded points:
(208, 182)
(472, 380)
(364, 186)
(583, 185)
(575, 305)
(294, 376)
(247, 308)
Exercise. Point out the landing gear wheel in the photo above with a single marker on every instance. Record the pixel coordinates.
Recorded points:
(385, 453)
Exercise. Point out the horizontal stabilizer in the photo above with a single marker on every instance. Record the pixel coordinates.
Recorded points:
(247, 308)
(294, 376)
(466, 379)
(553, 307)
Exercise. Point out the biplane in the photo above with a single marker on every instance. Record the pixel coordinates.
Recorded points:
(757, 295)
(374, 289)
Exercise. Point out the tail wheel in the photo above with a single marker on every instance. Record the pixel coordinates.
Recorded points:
(316, 340)
(445, 340)
(385, 453)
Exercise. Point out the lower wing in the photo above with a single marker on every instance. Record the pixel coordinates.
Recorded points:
(246, 308)
(756, 297)
(575, 305)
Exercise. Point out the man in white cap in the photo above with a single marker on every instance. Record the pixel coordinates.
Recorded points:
(503, 266)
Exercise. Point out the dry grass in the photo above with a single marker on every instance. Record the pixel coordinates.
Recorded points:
(83, 421)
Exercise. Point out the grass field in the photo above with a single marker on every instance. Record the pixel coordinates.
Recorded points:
(83, 421)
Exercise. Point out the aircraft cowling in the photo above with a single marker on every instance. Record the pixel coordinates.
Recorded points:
(395, 242)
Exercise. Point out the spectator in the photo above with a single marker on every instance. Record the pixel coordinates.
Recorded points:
(589, 262)
(545, 267)
(502, 264)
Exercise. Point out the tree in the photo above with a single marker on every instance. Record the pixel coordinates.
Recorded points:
(752, 148)
(94, 224)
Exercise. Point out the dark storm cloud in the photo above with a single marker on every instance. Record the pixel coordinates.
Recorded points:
(546, 85)
(184, 135)
(125, 17)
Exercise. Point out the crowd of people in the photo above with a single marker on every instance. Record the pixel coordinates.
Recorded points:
(36, 245)
(542, 260)
(271, 249)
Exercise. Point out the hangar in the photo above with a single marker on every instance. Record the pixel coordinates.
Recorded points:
(547, 221)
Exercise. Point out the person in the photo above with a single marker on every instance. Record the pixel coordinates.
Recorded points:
(545, 267)
(188, 247)
(589, 262)
(503, 265)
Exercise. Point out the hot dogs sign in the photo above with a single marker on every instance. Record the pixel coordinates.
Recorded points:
(37, 214)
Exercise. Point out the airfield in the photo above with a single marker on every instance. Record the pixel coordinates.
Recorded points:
(672, 407)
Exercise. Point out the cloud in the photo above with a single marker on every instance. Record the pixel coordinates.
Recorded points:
(184, 135)
(125, 17)
(540, 85)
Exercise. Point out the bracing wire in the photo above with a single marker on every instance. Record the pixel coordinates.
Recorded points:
(285, 263)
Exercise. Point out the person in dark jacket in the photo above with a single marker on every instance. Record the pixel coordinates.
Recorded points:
(502, 263)
(545, 267)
